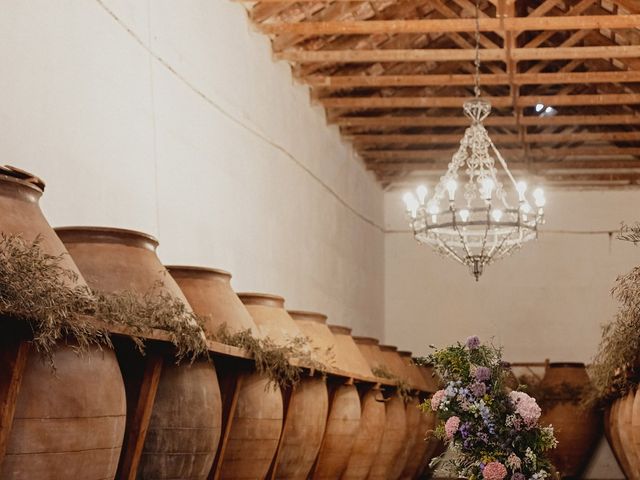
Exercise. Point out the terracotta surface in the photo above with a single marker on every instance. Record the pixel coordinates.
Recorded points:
(115, 260)
(255, 431)
(577, 429)
(307, 413)
(394, 363)
(259, 409)
(369, 438)
(424, 447)
(412, 415)
(432, 382)
(270, 316)
(413, 372)
(369, 347)
(392, 441)
(71, 424)
(302, 436)
(340, 435)
(210, 295)
(314, 326)
(615, 439)
(348, 354)
(625, 430)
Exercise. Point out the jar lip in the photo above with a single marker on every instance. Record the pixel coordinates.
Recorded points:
(388, 348)
(266, 299)
(566, 365)
(405, 353)
(366, 340)
(308, 315)
(340, 329)
(196, 269)
(94, 234)
(9, 173)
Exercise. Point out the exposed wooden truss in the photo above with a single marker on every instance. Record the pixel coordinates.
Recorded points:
(393, 75)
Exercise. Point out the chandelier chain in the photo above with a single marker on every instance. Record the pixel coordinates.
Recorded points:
(477, 59)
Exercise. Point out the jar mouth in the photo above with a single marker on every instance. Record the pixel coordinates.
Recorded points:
(197, 271)
(405, 353)
(306, 315)
(388, 348)
(340, 329)
(10, 173)
(566, 365)
(123, 236)
(367, 340)
(262, 299)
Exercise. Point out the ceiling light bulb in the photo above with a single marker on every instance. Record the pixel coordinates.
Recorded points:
(526, 208)
(410, 201)
(539, 198)
(464, 214)
(487, 185)
(539, 107)
(496, 214)
(434, 209)
(521, 187)
(422, 193)
(452, 186)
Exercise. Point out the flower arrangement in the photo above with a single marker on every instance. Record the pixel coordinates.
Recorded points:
(493, 431)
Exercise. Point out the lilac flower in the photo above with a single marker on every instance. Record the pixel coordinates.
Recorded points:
(518, 476)
(483, 374)
(472, 342)
(478, 389)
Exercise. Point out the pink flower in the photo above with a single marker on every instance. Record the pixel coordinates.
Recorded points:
(526, 407)
(451, 426)
(437, 399)
(494, 471)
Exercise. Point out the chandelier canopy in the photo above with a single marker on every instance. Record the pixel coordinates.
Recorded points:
(486, 221)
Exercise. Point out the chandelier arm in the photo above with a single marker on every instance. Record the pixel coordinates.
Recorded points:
(451, 251)
(486, 232)
(497, 249)
(462, 239)
(503, 163)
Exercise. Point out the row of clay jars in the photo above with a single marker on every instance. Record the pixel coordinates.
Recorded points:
(314, 440)
(71, 424)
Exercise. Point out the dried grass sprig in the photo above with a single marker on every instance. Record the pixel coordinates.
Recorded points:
(404, 389)
(273, 359)
(612, 368)
(36, 287)
(630, 233)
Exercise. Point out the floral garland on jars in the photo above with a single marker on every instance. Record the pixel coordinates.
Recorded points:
(492, 430)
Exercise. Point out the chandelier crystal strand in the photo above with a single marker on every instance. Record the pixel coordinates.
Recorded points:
(488, 221)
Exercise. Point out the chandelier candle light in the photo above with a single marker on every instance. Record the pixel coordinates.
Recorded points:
(484, 221)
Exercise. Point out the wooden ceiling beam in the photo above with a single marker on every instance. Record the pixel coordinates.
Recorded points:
(448, 25)
(537, 166)
(362, 81)
(451, 121)
(426, 139)
(456, 54)
(499, 102)
(443, 154)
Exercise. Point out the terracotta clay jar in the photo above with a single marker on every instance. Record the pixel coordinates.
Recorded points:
(68, 423)
(577, 428)
(256, 426)
(185, 424)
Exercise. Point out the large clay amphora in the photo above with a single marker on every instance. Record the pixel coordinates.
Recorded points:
(68, 423)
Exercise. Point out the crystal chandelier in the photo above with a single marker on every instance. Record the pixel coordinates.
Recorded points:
(485, 221)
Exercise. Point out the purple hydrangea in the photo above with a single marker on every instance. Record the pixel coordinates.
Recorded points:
(478, 389)
(518, 476)
(483, 374)
(472, 342)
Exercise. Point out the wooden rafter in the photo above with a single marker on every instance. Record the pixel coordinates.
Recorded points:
(393, 75)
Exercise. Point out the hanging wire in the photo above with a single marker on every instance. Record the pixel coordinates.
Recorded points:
(477, 60)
